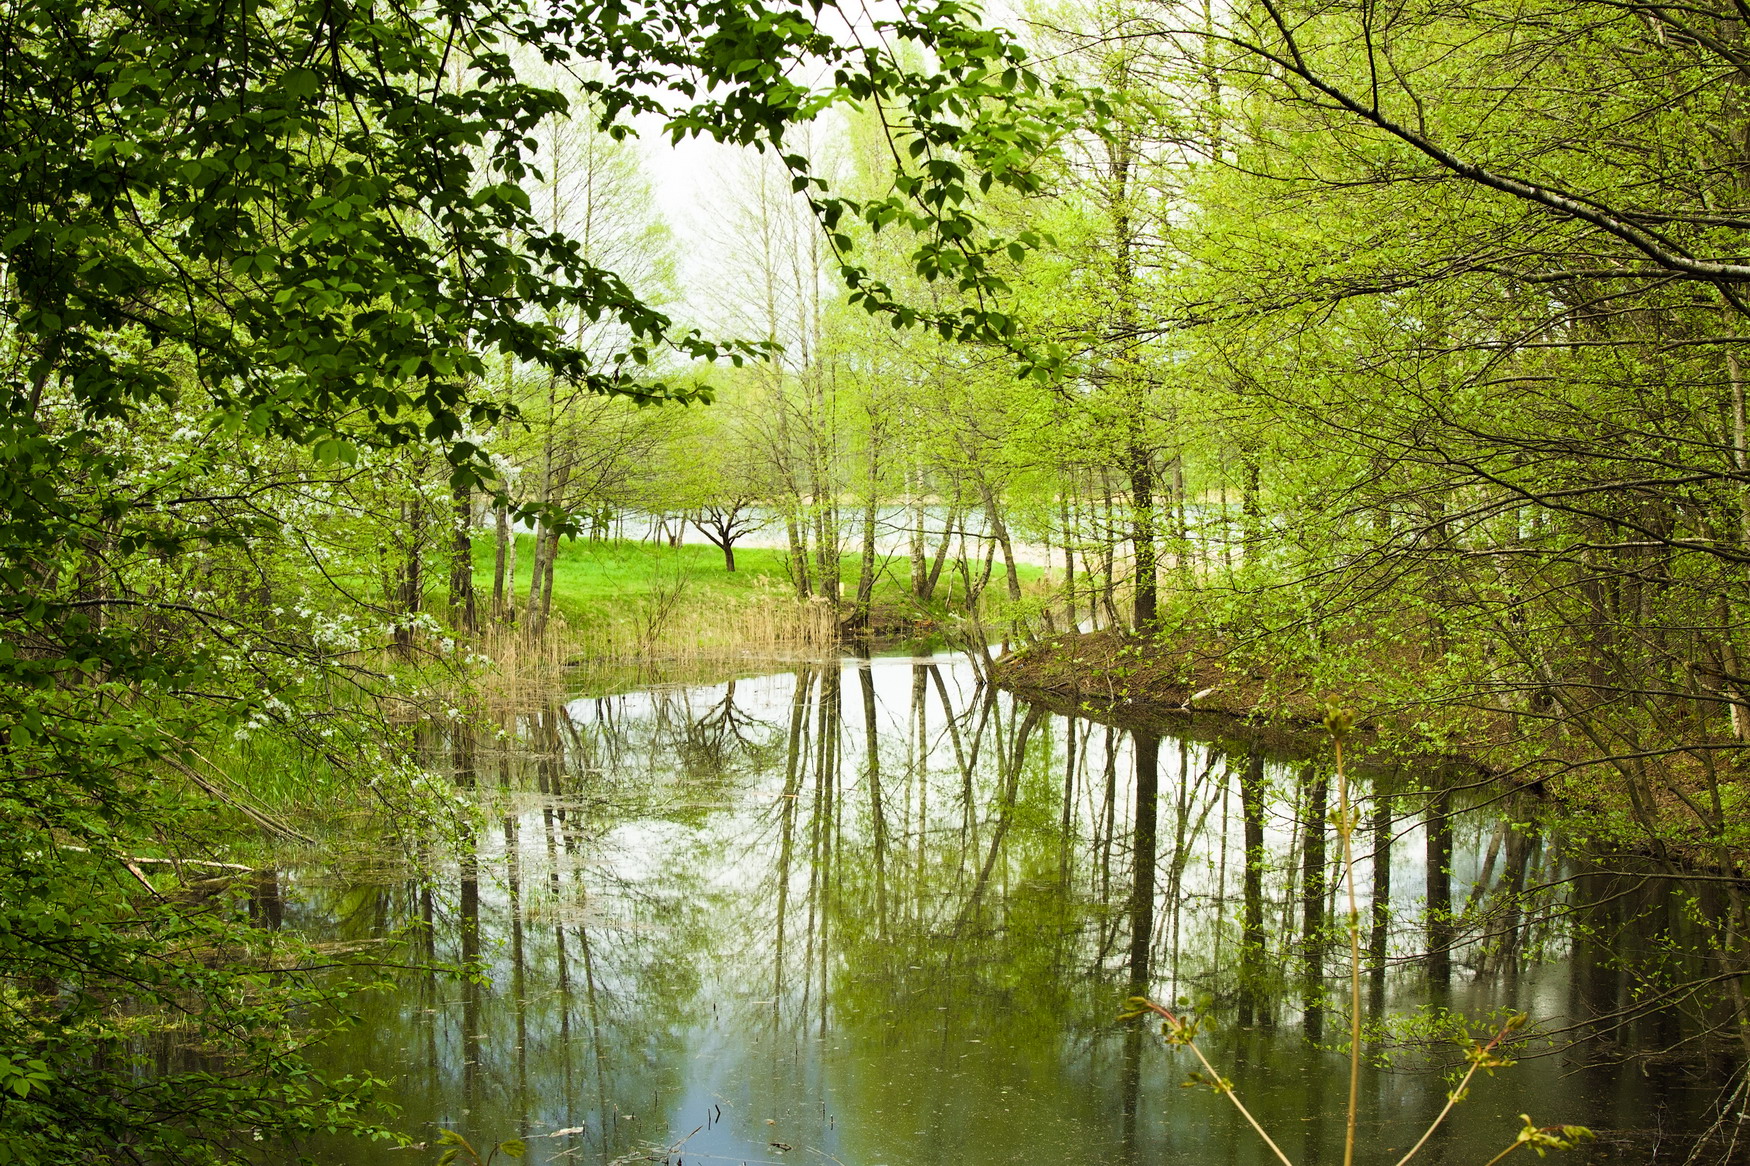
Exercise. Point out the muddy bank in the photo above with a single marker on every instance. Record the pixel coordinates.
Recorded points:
(1140, 676)
(1191, 688)
(1140, 682)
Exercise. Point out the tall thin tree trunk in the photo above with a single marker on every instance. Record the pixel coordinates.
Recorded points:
(537, 575)
(1138, 457)
(796, 534)
(548, 551)
(866, 569)
(826, 549)
(1001, 533)
(1740, 445)
(411, 584)
(1438, 852)
(1186, 556)
(916, 534)
(549, 560)
(510, 577)
(1145, 608)
(501, 556)
(462, 612)
(935, 574)
(1069, 564)
(1109, 553)
(1380, 935)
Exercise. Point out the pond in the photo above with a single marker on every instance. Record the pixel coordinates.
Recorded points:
(867, 912)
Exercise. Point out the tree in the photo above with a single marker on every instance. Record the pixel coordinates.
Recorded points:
(250, 254)
(778, 250)
(713, 469)
(588, 452)
(1454, 302)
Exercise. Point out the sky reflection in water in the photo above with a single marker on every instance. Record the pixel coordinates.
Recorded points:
(869, 914)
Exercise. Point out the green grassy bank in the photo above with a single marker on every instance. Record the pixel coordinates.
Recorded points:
(599, 582)
(596, 579)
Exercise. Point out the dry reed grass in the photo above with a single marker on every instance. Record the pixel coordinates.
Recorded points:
(764, 625)
(654, 636)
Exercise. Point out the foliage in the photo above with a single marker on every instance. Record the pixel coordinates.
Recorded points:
(259, 263)
(458, 1145)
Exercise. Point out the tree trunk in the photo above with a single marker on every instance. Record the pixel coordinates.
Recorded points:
(796, 555)
(935, 574)
(1380, 935)
(826, 550)
(1142, 535)
(919, 588)
(552, 557)
(501, 557)
(1069, 565)
(537, 574)
(1000, 532)
(1187, 555)
(866, 569)
(547, 550)
(1139, 460)
(411, 585)
(1108, 555)
(462, 612)
(510, 577)
(1439, 883)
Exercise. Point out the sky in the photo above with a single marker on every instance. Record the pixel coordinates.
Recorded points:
(695, 181)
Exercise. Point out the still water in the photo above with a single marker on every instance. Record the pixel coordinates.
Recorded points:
(872, 914)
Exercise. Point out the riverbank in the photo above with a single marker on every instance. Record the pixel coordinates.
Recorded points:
(1126, 680)
(1650, 805)
(1123, 672)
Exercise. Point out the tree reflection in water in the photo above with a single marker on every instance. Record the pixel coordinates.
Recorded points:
(740, 921)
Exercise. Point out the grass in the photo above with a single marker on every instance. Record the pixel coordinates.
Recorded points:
(598, 580)
(625, 597)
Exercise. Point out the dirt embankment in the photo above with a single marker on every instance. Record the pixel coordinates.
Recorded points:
(1120, 672)
(1142, 684)
(1191, 688)
(1170, 685)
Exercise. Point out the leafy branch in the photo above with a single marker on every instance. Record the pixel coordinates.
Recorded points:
(457, 1145)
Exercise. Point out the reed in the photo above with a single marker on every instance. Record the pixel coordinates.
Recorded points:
(647, 635)
(769, 625)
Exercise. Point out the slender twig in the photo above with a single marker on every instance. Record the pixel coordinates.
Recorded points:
(1503, 1154)
(1182, 1031)
(1479, 1058)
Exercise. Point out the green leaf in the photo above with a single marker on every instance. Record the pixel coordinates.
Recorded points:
(300, 82)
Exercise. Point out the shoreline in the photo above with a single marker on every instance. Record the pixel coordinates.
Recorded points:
(1135, 681)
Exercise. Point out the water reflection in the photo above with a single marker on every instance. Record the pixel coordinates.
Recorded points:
(874, 913)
